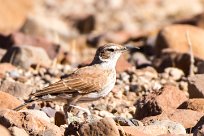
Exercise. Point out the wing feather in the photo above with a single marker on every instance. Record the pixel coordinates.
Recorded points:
(84, 80)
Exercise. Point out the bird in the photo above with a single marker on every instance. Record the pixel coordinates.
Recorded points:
(88, 83)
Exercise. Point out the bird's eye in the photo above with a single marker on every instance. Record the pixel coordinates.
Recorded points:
(111, 50)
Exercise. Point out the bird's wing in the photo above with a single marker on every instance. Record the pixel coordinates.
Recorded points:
(84, 80)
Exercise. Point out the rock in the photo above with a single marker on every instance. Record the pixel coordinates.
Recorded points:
(104, 113)
(20, 39)
(196, 86)
(122, 64)
(7, 101)
(105, 126)
(174, 73)
(150, 119)
(2, 52)
(165, 100)
(6, 67)
(125, 122)
(18, 131)
(198, 130)
(38, 114)
(16, 89)
(174, 37)
(119, 37)
(187, 118)
(85, 24)
(152, 129)
(4, 131)
(31, 124)
(60, 118)
(18, 56)
(193, 104)
(11, 20)
(72, 129)
(173, 127)
(140, 60)
(131, 131)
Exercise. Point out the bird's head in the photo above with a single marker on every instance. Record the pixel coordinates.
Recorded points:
(109, 53)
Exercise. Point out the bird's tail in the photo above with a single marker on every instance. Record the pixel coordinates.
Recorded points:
(28, 102)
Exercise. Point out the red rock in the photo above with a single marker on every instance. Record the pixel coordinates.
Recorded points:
(123, 64)
(105, 126)
(6, 67)
(7, 101)
(20, 39)
(131, 131)
(60, 118)
(196, 86)
(16, 89)
(193, 104)
(165, 100)
(174, 37)
(4, 131)
(198, 130)
(25, 56)
(11, 20)
(188, 118)
(31, 124)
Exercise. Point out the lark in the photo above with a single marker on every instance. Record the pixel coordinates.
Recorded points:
(86, 84)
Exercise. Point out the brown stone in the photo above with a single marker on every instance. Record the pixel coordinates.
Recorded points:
(16, 89)
(174, 37)
(11, 20)
(198, 130)
(193, 104)
(105, 126)
(165, 100)
(20, 39)
(31, 124)
(188, 118)
(4, 131)
(122, 64)
(25, 56)
(60, 118)
(7, 101)
(196, 86)
(131, 131)
(6, 67)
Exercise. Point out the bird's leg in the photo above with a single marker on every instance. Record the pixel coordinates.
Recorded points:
(72, 101)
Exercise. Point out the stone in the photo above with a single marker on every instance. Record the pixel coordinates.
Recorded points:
(18, 56)
(85, 23)
(196, 86)
(173, 127)
(125, 122)
(31, 124)
(6, 67)
(198, 129)
(188, 118)
(18, 131)
(60, 118)
(195, 104)
(7, 101)
(16, 88)
(37, 113)
(131, 131)
(122, 64)
(174, 73)
(174, 37)
(12, 20)
(165, 100)
(2, 52)
(105, 126)
(4, 131)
